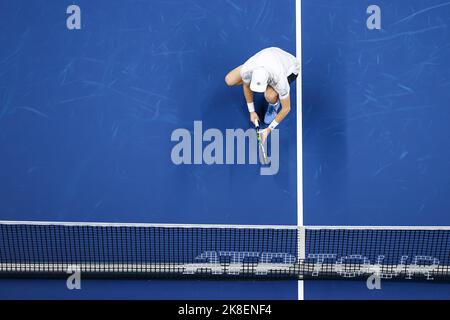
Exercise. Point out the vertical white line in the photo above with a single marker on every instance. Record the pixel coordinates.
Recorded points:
(298, 32)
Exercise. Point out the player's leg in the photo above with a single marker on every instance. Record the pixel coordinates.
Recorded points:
(233, 78)
(274, 104)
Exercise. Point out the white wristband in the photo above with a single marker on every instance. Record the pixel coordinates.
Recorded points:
(251, 107)
(273, 124)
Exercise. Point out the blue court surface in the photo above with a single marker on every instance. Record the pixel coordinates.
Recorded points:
(87, 114)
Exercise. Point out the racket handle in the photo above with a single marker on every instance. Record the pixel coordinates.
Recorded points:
(256, 123)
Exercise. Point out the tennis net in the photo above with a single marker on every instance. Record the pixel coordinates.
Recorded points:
(54, 249)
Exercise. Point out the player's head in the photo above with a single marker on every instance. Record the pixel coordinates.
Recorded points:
(260, 77)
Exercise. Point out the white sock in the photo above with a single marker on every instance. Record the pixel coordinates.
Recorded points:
(275, 104)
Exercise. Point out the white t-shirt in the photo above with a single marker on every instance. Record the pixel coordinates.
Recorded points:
(278, 63)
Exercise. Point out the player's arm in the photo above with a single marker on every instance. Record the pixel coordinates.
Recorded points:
(234, 78)
(285, 109)
(282, 88)
(285, 100)
(248, 94)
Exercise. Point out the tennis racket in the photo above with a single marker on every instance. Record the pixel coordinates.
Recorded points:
(262, 152)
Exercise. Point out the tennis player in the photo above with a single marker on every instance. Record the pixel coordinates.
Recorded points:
(270, 71)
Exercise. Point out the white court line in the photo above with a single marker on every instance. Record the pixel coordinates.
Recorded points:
(298, 40)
